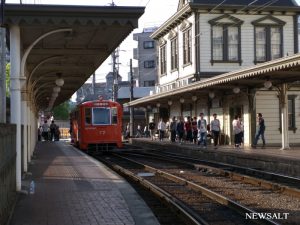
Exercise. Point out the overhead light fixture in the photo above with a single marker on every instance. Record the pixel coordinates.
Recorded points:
(56, 89)
(194, 98)
(149, 106)
(181, 100)
(54, 94)
(59, 81)
(268, 84)
(170, 102)
(211, 94)
(158, 105)
(236, 90)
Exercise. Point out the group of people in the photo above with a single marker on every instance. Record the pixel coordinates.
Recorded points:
(49, 133)
(191, 130)
(197, 131)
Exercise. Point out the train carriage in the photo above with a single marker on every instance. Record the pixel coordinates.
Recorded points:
(97, 125)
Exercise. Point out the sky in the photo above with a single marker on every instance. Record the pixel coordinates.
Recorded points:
(156, 12)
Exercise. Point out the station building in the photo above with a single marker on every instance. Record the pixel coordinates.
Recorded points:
(230, 58)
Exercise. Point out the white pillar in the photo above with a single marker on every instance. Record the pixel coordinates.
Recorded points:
(29, 133)
(25, 138)
(15, 94)
(33, 130)
(284, 117)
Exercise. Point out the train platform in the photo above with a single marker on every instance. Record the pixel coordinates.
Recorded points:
(71, 188)
(271, 159)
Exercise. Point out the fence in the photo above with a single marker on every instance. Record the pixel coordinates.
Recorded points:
(7, 170)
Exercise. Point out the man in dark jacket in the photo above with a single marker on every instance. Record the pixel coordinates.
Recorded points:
(260, 131)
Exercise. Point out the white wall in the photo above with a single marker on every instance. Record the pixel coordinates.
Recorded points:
(247, 42)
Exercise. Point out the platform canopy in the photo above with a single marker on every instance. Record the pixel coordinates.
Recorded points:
(68, 42)
(276, 72)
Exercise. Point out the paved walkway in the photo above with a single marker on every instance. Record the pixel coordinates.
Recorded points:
(71, 188)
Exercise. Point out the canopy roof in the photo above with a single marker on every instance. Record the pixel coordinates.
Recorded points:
(71, 42)
(283, 70)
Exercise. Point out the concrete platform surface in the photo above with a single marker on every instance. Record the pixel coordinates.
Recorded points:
(72, 188)
(271, 159)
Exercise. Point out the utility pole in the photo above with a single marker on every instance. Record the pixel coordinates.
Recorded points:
(2, 67)
(115, 69)
(131, 109)
(94, 83)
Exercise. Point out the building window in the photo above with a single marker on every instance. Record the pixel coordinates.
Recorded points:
(226, 39)
(225, 43)
(174, 54)
(268, 38)
(268, 43)
(149, 83)
(149, 64)
(187, 46)
(291, 114)
(148, 44)
(163, 59)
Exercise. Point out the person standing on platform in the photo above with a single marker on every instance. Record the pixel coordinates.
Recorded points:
(52, 131)
(180, 129)
(188, 129)
(45, 128)
(152, 129)
(202, 130)
(173, 129)
(161, 129)
(194, 129)
(215, 129)
(260, 131)
(138, 131)
(237, 131)
(40, 131)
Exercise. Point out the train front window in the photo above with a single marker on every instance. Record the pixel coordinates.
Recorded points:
(101, 116)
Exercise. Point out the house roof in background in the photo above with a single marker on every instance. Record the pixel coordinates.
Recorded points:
(138, 92)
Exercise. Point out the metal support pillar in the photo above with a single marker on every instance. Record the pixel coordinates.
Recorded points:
(283, 99)
(25, 136)
(15, 95)
(28, 132)
(131, 125)
(252, 115)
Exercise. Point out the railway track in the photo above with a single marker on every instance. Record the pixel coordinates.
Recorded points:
(177, 183)
(261, 196)
(273, 181)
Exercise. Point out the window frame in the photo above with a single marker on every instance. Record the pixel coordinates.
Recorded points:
(187, 46)
(148, 47)
(293, 127)
(277, 23)
(163, 59)
(148, 65)
(231, 22)
(268, 47)
(174, 54)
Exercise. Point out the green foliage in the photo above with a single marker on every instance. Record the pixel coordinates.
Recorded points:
(62, 111)
(7, 79)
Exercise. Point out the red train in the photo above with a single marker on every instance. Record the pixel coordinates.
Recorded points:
(97, 125)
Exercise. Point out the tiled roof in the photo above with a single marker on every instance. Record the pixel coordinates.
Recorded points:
(138, 92)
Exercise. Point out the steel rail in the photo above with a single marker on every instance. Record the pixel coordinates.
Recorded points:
(226, 171)
(188, 214)
(242, 210)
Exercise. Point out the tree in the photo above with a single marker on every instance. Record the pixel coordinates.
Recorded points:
(62, 111)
